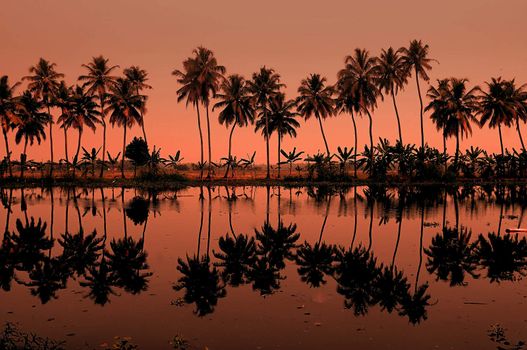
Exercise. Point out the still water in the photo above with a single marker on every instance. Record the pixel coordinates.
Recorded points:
(267, 268)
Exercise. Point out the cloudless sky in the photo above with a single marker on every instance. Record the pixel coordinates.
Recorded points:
(474, 39)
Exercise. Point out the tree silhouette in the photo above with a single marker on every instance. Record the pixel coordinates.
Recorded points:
(44, 82)
(98, 81)
(315, 98)
(451, 255)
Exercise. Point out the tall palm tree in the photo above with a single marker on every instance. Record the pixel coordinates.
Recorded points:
(520, 96)
(236, 106)
(63, 101)
(44, 82)
(499, 106)
(138, 78)
(98, 80)
(8, 116)
(124, 107)
(316, 98)
(83, 111)
(264, 85)
(190, 92)
(439, 107)
(359, 77)
(458, 105)
(416, 59)
(209, 75)
(31, 126)
(393, 76)
(281, 115)
(346, 102)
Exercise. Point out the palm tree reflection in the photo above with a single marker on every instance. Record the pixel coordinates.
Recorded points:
(200, 279)
(452, 255)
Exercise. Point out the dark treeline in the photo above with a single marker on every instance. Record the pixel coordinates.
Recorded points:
(101, 97)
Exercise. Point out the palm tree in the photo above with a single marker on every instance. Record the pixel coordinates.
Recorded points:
(281, 119)
(458, 105)
(8, 116)
(208, 74)
(359, 78)
(98, 80)
(439, 107)
(393, 76)
(346, 102)
(32, 124)
(415, 58)
(44, 83)
(236, 106)
(316, 99)
(264, 85)
(138, 78)
(82, 112)
(63, 101)
(190, 92)
(499, 106)
(124, 106)
(520, 96)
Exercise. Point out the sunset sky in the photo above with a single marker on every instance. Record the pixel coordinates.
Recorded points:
(474, 39)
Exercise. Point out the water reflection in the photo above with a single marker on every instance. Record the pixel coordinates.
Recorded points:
(35, 257)
(26, 253)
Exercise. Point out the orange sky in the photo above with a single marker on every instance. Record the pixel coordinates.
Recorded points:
(475, 39)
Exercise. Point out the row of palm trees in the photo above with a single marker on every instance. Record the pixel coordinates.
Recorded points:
(203, 84)
(98, 95)
(363, 81)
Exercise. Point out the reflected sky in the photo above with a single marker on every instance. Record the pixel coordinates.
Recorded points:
(307, 266)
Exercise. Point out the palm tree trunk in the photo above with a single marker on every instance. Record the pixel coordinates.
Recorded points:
(200, 139)
(355, 214)
(124, 213)
(421, 109)
(208, 139)
(420, 247)
(23, 163)
(268, 196)
(124, 150)
(457, 153)
(66, 144)
(8, 153)
(278, 157)
(50, 142)
(209, 223)
(103, 122)
(76, 158)
(268, 176)
(230, 144)
(370, 231)
(444, 152)
(141, 113)
(398, 240)
(398, 119)
(501, 140)
(325, 220)
(520, 133)
(371, 138)
(323, 134)
(356, 143)
(52, 219)
(103, 199)
(201, 211)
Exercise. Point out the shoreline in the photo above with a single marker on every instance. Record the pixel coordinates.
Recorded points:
(181, 182)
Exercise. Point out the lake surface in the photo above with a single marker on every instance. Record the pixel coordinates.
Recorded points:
(267, 268)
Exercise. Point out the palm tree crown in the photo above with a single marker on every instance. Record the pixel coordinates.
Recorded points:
(264, 85)
(316, 98)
